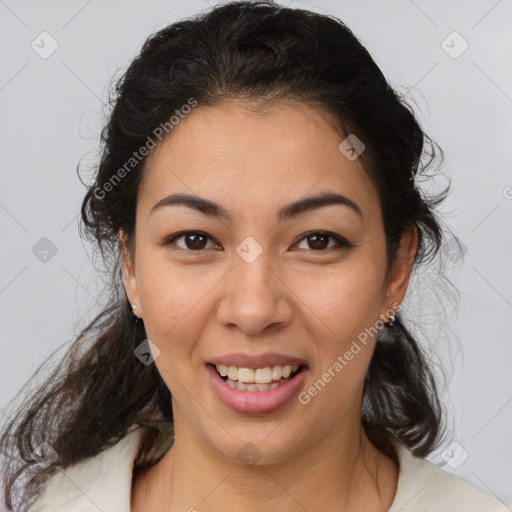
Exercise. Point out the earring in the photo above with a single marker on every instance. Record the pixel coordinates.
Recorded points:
(133, 307)
(391, 322)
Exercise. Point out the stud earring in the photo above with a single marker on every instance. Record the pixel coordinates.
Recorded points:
(391, 322)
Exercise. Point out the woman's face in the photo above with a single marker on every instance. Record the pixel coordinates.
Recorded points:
(258, 287)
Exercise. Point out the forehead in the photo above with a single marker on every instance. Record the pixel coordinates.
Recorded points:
(253, 159)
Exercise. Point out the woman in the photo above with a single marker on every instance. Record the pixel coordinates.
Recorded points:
(256, 198)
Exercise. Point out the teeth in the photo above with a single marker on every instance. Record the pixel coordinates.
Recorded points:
(277, 372)
(251, 388)
(257, 376)
(232, 372)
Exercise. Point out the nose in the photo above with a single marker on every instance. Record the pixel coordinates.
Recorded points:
(255, 299)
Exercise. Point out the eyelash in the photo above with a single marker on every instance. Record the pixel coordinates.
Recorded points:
(341, 242)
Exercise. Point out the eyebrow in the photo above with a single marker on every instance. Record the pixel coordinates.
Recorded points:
(289, 211)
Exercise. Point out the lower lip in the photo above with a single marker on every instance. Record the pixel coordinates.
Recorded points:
(258, 402)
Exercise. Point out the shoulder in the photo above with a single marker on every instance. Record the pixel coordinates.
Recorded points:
(102, 482)
(425, 487)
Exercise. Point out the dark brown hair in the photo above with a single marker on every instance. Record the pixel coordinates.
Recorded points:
(262, 52)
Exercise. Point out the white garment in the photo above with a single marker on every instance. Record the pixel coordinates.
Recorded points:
(104, 482)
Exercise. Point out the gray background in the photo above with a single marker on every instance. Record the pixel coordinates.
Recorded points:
(52, 115)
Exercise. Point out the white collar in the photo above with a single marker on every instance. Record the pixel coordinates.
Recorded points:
(103, 483)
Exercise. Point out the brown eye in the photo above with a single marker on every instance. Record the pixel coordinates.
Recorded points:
(195, 241)
(319, 241)
(192, 241)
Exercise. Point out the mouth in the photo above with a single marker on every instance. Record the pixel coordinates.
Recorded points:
(257, 380)
(256, 383)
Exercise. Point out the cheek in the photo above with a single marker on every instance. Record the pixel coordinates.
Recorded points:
(346, 303)
(173, 299)
(175, 312)
(346, 298)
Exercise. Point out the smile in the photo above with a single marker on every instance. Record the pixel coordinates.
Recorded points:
(256, 380)
(256, 390)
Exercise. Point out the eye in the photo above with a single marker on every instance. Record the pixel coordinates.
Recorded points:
(320, 241)
(194, 241)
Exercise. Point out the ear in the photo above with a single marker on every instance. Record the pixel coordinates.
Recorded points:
(398, 280)
(129, 279)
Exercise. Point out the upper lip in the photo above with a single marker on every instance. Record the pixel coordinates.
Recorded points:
(257, 361)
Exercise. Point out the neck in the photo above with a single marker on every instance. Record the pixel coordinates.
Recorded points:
(342, 472)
